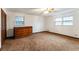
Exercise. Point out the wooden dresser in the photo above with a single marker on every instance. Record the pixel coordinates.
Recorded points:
(20, 32)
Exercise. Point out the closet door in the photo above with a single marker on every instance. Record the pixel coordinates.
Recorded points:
(3, 26)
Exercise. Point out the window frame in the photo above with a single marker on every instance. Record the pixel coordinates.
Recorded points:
(63, 21)
(23, 20)
(58, 21)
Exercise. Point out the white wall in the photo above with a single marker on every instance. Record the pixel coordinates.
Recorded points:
(66, 30)
(46, 23)
(0, 27)
(37, 22)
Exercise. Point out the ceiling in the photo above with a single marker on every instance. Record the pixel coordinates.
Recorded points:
(35, 11)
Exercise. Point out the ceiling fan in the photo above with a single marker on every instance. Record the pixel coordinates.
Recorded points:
(47, 10)
(44, 11)
(50, 10)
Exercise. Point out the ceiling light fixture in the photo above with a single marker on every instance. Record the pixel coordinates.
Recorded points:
(48, 10)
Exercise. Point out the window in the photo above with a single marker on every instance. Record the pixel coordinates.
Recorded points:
(64, 21)
(19, 20)
(67, 20)
(58, 21)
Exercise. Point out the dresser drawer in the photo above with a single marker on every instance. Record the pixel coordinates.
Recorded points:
(22, 31)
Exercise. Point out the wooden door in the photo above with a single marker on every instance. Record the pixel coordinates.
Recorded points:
(3, 26)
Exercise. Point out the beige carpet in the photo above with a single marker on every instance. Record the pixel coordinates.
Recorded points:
(42, 42)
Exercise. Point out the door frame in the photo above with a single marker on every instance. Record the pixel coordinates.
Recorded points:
(3, 16)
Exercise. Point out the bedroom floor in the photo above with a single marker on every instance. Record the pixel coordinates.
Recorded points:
(42, 42)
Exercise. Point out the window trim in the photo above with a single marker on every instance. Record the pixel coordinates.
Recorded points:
(62, 22)
(20, 21)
